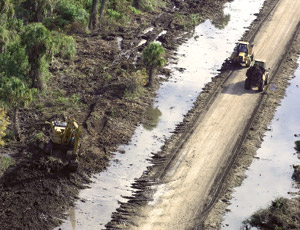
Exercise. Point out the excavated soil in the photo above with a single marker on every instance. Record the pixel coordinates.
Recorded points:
(38, 189)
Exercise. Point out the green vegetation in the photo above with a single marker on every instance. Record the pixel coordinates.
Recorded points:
(152, 118)
(187, 21)
(15, 94)
(5, 162)
(135, 84)
(4, 122)
(297, 145)
(34, 33)
(38, 42)
(282, 214)
(153, 58)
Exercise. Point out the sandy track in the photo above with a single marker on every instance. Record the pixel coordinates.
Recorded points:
(186, 185)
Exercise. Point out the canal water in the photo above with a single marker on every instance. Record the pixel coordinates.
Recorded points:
(269, 176)
(198, 61)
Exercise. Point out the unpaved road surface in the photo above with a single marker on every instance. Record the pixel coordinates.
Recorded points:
(186, 186)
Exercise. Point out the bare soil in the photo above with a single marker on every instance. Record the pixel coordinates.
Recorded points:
(37, 190)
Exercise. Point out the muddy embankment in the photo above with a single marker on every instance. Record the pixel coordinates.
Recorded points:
(251, 139)
(37, 190)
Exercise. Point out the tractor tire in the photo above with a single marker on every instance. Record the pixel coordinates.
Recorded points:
(266, 80)
(261, 86)
(247, 84)
(248, 62)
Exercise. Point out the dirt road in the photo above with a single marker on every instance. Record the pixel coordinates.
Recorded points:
(186, 186)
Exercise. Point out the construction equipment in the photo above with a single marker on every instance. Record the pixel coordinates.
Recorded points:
(65, 137)
(257, 75)
(243, 53)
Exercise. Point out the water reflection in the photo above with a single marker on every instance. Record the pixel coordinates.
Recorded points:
(152, 118)
(220, 21)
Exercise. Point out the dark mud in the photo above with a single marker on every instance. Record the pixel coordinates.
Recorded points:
(37, 191)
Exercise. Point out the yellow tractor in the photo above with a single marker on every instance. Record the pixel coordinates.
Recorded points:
(243, 54)
(64, 138)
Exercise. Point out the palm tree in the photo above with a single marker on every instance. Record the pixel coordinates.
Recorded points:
(93, 16)
(39, 44)
(136, 4)
(153, 58)
(103, 2)
(14, 93)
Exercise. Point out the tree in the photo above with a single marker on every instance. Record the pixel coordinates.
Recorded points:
(221, 20)
(38, 42)
(153, 58)
(4, 122)
(136, 4)
(35, 11)
(93, 16)
(14, 93)
(103, 2)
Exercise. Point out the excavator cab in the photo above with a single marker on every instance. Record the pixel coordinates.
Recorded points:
(242, 54)
(64, 141)
(66, 134)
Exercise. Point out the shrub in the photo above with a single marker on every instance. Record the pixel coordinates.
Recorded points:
(5, 163)
(134, 10)
(72, 12)
(14, 62)
(4, 122)
(112, 14)
(66, 13)
(64, 45)
(297, 145)
(283, 213)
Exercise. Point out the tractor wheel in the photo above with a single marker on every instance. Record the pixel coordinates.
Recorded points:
(261, 86)
(248, 62)
(266, 80)
(247, 83)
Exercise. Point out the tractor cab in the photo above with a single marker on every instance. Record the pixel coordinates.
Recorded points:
(64, 142)
(242, 48)
(242, 54)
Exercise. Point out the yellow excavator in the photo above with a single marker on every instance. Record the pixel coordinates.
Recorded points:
(243, 53)
(65, 138)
